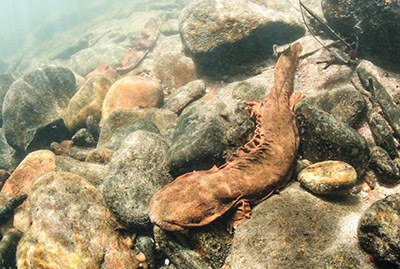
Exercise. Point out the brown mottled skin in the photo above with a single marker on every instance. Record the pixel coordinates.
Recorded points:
(256, 170)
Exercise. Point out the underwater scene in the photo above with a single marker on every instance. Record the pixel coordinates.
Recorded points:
(191, 134)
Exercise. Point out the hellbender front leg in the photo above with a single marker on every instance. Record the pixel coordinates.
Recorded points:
(242, 212)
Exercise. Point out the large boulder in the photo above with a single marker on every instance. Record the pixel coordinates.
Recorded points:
(5, 82)
(296, 229)
(375, 23)
(206, 130)
(229, 36)
(33, 106)
(71, 228)
(8, 157)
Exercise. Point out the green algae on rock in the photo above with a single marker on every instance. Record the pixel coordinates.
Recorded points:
(328, 177)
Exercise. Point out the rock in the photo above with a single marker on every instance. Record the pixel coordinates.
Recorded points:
(35, 165)
(100, 156)
(170, 27)
(132, 92)
(63, 148)
(123, 122)
(185, 95)
(8, 157)
(375, 23)
(328, 178)
(296, 229)
(378, 230)
(33, 106)
(8, 247)
(5, 82)
(382, 96)
(92, 172)
(137, 170)
(382, 133)
(88, 59)
(205, 131)
(145, 248)
(93, 125)
(79, 153)
(86, 102)
(71, 228)
(246, 91)
(171, 66)
(229, 37)
(322, 138)
(382, 164)
(83, 138)
(345, 104)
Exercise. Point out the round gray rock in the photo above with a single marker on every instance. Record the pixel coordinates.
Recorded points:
(33, 106)
(137, 170)
(379, 230)
(5, 82)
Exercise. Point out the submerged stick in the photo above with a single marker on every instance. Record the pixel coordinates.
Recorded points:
(8, 209)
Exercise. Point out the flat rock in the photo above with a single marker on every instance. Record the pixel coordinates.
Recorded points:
(87, 101)
(379, 230)
(132, 92)
(123, 122)
(185, 95)
(328, 177)
(296, 229)
(228, 37)
(71, 228)
(345, 104)
(205, 131)
(33, 106)
(137, 170)
(323, 137)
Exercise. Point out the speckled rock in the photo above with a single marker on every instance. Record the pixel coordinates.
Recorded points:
(384, 166)
(322, 137)
(345, 104)
(185, 95)
(205, 130)
(296, 229)
(379, 230)
(132, 92)
(5, 82)
(137, 170)
(328, 177)
(228, 37)
(100, 155)
(83, 138)
(32, 108)
(71, 228)
(8, 157)
(87, 101)
(382, 133)
(123, 122)
(246, 91)
(35, 165)
(171, 66)
(170, 27)
(93, 125)
(374, 22)
(93, 173)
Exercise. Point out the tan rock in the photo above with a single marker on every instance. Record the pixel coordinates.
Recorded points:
(132, 92)
(100, 155)
(87, 101)
(328, 177)
(71, 228)
(34, 165)
(171, 66)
